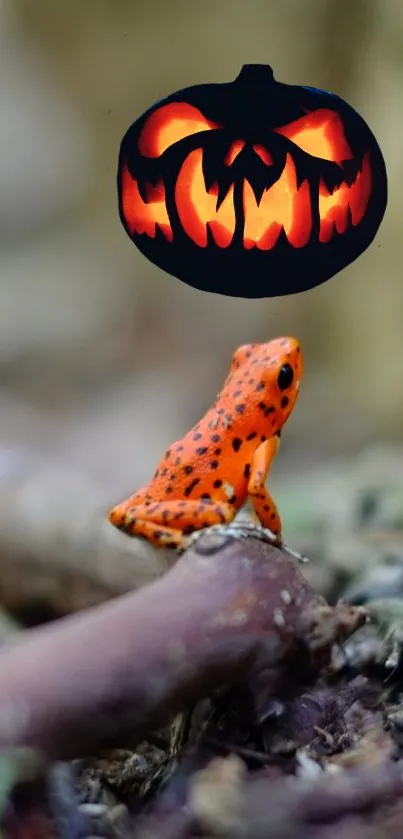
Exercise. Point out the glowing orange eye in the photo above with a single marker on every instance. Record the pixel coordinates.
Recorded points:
(320, 134)
(168, 125)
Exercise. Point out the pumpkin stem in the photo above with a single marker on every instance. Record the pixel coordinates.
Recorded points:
(255, 74)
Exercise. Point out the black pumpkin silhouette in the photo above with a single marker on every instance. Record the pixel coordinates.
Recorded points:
(252, 188)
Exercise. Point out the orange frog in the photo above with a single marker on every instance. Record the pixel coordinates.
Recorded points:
(204, 478)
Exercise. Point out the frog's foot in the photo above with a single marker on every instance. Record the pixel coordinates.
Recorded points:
(240, 529)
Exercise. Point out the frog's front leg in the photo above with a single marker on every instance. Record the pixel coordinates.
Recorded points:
(264, 506)
(168, 523)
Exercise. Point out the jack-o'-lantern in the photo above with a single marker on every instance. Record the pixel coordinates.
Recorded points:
(252, 188)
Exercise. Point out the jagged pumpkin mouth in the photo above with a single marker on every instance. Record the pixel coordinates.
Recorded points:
(297, 208)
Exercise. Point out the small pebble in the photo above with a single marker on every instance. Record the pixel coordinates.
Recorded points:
(278, 617)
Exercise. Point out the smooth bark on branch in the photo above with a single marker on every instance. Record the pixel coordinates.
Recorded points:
(227, 610)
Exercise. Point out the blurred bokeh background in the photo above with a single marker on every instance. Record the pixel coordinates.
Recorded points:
(104, 359)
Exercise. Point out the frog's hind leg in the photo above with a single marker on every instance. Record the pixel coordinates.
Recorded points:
(168, 523)
(117, 515)
(161, 537)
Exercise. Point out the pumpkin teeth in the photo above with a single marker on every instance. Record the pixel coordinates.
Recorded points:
(143, 188)
(223, 190)
(351, 169)
(162, 234)
(300, 176)
(333, 176)
(336, 176)
(260, 184)
(258, 190)
(345, 206)
(350, 220)
(210, 165)
(250, 166)
(210, 177)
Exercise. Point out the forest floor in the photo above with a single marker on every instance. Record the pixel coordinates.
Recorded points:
(239, 694)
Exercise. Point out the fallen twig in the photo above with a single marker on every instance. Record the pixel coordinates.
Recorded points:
(228, 609)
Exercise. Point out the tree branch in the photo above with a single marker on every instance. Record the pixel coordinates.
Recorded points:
(229, 609)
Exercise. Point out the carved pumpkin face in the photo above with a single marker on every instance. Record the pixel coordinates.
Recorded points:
(252, 188)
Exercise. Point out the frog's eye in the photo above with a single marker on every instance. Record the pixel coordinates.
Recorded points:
(285, 377)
